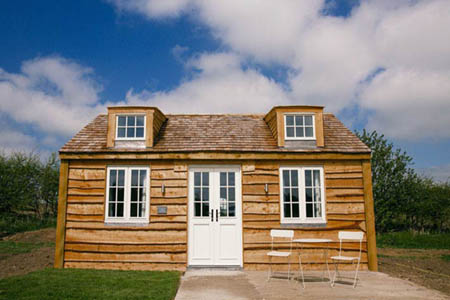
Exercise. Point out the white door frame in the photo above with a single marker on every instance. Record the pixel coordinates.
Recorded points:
(214, 225)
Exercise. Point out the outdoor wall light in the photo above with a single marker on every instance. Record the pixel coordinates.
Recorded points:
(266, 188)
(163, 189)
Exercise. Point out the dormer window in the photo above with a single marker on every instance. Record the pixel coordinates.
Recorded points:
(130, 127)
(299, 127)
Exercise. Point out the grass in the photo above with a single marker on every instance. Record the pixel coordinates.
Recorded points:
(411, 240)
(10, 224)
(445, 257)
(91, 284)
(12, 247)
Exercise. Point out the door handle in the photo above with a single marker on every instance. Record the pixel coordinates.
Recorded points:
(212, 215)
(217, 215)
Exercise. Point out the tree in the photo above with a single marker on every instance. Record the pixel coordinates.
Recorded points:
(394, 182)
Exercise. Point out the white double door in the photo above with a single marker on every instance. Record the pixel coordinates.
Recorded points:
(215, 216)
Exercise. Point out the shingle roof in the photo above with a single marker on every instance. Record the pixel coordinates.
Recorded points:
(186, 133)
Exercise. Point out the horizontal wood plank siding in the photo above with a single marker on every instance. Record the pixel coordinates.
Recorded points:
(160, 245)
(261, 212)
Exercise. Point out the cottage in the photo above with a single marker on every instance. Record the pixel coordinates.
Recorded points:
(142, 190)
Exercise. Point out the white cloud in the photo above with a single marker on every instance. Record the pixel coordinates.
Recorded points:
(438, 173)
(15, 141)
(53, 94)
(332, 58)
(221, 86)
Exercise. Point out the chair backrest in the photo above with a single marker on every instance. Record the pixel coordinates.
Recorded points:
(351, 235)
(282, 233)
(285, 234)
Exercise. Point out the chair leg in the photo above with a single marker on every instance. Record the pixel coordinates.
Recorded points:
(335, 273)
(300, 269)
(269, 273)
(356, 274)
(289, 268)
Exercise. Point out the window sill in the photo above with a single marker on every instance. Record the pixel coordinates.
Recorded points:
(299, 139)
(116, 223)
(321, 224)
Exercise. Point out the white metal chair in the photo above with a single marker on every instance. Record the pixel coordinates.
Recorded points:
(286, 235)
(352, 236)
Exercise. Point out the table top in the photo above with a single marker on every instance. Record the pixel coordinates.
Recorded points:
(312, 241)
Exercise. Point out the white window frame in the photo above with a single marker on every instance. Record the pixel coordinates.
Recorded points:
(300, 138)
(302, 219)
(127, 197)
(131, 138)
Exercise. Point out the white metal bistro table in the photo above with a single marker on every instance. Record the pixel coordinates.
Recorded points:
(302, 242)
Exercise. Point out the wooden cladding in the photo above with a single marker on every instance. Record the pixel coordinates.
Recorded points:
(345, 210)
(154, 120)
(159, 245)
(85, 241)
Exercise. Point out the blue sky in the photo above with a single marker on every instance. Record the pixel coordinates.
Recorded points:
(376, 64)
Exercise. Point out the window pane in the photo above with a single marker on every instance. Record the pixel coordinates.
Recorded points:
(131, 120)
(112, 210)
(286, 195)
(121, 121)
(130, 132)
(231, 178)
(119, 209)
(134, 195)
(309, 210)
(308, 193)
(231, 194)
(197, 194)
(317, 196)
(316, 177)
(309, 132)
(140, 132)
(287, 210)
(308, 120)
(299, 132)
(298, 120)
(290, 131)
(112, 178)
(285, 177)
(290, 120)
(295, 210)
(121, 132)
(112, 195)
(294, 178)
(197, 209)
(294, 195)
(223, 193)
(308, 180)
(205, 194)
(223, 178)
(143, 178)
(120, 194)
(318, 210)
(141, 195)
(223, 209)
(231, 209)
(205, 207)
(134, 177)
(197, 178)
(140, 121)
(205, 179)
(121, 178)
(141, 209)
(134, 210)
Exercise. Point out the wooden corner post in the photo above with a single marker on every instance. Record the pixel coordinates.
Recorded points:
(61, 219)
(370, 216)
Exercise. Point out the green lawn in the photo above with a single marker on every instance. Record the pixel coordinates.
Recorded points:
(91, 284)
(12, 247)
(413, 241)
